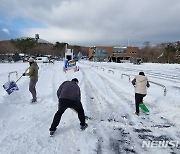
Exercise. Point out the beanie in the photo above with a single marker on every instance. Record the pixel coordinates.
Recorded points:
(75, 80)
(31, 59)
(141, 73)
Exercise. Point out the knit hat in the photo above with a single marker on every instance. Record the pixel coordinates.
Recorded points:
(75, 80)
(141, 73)
(31, 59)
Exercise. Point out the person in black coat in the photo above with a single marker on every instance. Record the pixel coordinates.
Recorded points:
(69, 96)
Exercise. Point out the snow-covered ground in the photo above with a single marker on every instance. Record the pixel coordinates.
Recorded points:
(107, 97)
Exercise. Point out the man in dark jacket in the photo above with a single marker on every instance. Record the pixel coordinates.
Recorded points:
(69, 96)
(33, 75)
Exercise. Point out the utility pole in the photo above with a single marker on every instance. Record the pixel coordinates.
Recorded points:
(128, 41)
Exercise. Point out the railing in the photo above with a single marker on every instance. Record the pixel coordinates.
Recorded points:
(12, 73)
(126, 75)
(102, 69)
(110, 71)
(165, 90)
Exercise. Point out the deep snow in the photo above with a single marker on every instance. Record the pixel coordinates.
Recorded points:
(107, 97)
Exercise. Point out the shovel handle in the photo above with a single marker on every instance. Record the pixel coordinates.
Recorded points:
(21, 76)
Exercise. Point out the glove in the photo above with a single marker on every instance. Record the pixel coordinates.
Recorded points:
(23, 74)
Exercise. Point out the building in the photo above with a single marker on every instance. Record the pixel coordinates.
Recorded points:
(69, 54)
(113, 53)
(100, 53)
(125, 54)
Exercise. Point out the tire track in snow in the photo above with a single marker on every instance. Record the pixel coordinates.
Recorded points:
(97, 101)
(151, 123)
(146, 122)
(108, 128)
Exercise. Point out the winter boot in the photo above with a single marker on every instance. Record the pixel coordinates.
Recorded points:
(84, 127)
(52, 133)
(137, 113)
(33, 100)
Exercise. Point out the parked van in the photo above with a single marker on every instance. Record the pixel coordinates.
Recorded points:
(42, 60)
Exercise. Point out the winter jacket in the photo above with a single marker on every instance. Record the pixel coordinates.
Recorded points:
(69, 90)
(33, 71)
(141, 83)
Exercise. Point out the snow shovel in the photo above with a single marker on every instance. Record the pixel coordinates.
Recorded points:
(144, 107)
(11, 86)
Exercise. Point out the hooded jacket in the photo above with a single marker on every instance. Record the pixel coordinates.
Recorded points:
(69, 90)
(33, 71)
(141, 83)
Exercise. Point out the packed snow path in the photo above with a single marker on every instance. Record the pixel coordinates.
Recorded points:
(106, 98)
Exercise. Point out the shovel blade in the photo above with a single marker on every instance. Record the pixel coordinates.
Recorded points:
(144, 107)
(88, 118)
(10, 87)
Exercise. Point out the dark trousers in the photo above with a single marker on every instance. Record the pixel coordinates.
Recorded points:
(138, 100)
(32, 88)
(63, 105)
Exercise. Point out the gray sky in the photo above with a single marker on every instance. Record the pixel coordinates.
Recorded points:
(92, 22)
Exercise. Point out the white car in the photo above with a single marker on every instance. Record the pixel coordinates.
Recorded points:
(42, 60)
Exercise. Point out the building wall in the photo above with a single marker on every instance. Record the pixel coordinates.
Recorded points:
(109, 49)
(91, 51)
(129, 52)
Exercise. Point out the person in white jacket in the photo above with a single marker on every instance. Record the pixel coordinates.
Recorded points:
(140, 82)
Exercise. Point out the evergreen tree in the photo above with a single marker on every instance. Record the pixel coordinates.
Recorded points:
(77, 49)
(24, 45)
(170, 53)
(61, 47)
(16, 57)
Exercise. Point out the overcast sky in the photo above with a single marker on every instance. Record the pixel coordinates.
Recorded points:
(92, 22)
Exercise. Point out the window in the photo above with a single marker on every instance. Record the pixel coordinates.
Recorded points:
(120, 49)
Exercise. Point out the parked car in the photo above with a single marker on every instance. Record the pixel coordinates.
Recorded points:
(75, 58)
(42, 60)
(25, 59)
